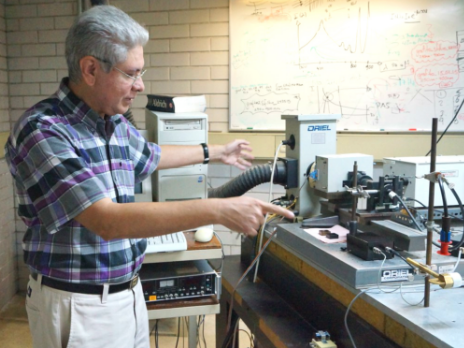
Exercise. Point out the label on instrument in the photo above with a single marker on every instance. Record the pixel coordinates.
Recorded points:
(396, 275)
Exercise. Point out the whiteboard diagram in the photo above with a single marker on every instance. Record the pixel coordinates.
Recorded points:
(382, 65)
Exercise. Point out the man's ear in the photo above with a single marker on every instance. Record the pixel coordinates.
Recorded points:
(89, 68)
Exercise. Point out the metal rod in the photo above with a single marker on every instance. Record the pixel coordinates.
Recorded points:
(428, 256)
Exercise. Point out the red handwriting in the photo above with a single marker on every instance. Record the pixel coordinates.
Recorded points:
(442, 75)
(434, 51)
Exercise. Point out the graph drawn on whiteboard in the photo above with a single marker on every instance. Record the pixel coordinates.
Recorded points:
(390, 65)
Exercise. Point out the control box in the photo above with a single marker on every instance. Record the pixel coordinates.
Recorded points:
(180, 280)
(189, 128)
(414, 168)
(332, 170)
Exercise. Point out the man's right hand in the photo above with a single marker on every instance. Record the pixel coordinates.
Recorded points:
(245, 214)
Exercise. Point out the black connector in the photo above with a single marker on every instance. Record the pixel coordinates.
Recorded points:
(290, 142)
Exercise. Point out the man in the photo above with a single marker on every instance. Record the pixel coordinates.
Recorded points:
(75, 161)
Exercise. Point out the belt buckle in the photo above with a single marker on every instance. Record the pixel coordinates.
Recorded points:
(133, 282)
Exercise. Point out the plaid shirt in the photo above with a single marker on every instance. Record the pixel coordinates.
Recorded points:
(64, 157)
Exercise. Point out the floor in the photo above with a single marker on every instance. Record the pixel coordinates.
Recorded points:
(14, 330)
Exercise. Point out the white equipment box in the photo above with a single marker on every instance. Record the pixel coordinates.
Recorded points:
(412, 167)
(332, 170)
(189, 128)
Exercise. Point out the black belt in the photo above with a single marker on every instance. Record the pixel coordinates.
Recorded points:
(86, 288)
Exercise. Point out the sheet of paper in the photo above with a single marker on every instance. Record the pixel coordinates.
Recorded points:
(341, 231)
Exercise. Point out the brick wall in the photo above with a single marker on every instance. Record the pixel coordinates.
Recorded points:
(8, 264)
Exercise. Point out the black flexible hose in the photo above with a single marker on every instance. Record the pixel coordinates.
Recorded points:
(244, 182)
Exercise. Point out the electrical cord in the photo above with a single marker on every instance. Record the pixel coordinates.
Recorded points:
(449, 125)
(269, 200)
(459, 245)
(443, 196)
(378, 251)
(229, 316)
(459, 259)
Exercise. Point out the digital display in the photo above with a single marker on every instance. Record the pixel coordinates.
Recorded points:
(166, 283)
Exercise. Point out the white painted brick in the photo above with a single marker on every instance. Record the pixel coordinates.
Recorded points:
(4, 103)
(38, 1)
(24, 89)
(14, 76)
(60, 48)
(4, 89)
(190, 45)
(47, 89)
(12, 24)
(220, 43)
(22, 37)
(210, 29)
(218, 170)
(63, 22)
(220, 73)
(12, 2)
(131, 6)
(3, 76)
(52, 63)
(226, 249)
(181, 17)
(56, 9)
(219, 101)
(17, 102)
(190, 73)
(168, 87)
(222, 127)
(156, 46)
(29, 101)
(21, 11)
(203, 87)
(169, 31)
(61, 73)
(218, 115)
(53, 35)
(3, 62)
(151, 18)
(219, 15)
(156, 74)
(14, 50)
(174, 59)
(210, 58)
(41, 50)
(2, 37)
(15, 115)
(26, 24)
(209, 3)
(167, 5)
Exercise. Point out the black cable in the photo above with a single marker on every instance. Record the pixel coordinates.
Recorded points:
(400, 256)
(413, 219)
(457, 246)
(437, 210)
(449, 125)
(443, 196)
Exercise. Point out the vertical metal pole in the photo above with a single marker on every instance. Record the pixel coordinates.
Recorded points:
(428, 257)
(353, 224)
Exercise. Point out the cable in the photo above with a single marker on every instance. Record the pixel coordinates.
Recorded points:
(229, 317)
(223, 255)
(437, 210)
(400, 256)
(378, 251)
(348, 310)
(404, 299)
(449, 125)
(269, 200)
(443, 196)
(457, 262)
(455, 247)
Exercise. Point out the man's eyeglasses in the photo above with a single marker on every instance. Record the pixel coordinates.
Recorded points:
(134, 78)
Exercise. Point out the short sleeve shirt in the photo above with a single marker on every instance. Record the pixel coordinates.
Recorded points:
(64, 157)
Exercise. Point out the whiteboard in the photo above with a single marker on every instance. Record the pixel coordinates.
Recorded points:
(382, 64)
